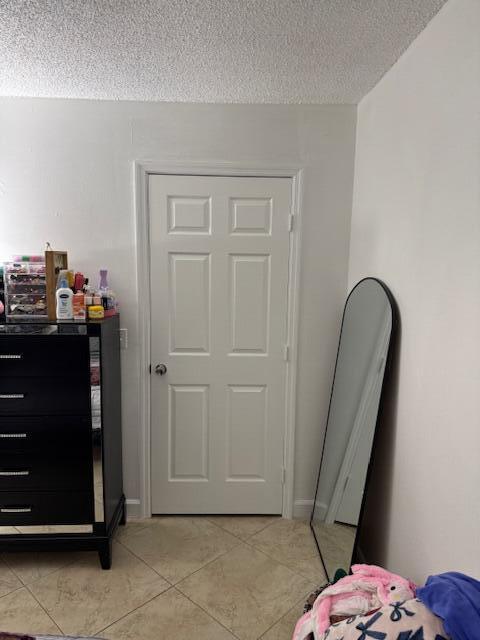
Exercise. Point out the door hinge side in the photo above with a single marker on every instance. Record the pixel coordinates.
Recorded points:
(286, 353)
(284, 475)
(149, 368)
(291, 221)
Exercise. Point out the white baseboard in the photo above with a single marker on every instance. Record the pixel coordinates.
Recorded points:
(302, 509)
(321, 510)
(133, 508)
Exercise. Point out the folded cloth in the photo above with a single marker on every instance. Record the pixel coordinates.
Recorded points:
(410, 620)
(367, 589)
(455, 598)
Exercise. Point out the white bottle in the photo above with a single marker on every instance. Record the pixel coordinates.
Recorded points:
(64, 302)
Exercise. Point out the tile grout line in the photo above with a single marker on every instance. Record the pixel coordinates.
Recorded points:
(68, 564)
(263, 528)
(43, 608)
(3, 560)
(170, 586)
(26, 586)
(247, 541)
(180, 593)
(13, 591)
(173, 584)
(241, 541)
(145, 563)
(176, 586)
(284, 615)
(235, 535)
(295, 571)
(208, 563)
(211, 520)
(206, 612)
(212, 616)
(135, 609)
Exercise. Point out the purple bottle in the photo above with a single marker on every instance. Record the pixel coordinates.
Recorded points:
(103, 284)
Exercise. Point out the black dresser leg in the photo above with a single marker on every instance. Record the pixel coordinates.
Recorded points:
(123, 518)
(105, 555)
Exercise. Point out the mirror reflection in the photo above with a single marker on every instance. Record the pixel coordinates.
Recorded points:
(96, 411)
(96, 405)
(362, 354)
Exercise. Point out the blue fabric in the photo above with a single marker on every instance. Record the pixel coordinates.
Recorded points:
(455, 598)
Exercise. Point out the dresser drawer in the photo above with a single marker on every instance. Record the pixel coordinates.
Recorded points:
(34, 471)
(62, 435)
(26, 356)
(44, 396)
(45, 507)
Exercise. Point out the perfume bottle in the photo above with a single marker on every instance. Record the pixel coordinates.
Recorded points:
(103, 284)
(107, 297)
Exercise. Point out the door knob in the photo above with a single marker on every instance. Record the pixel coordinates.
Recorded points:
(160, 369)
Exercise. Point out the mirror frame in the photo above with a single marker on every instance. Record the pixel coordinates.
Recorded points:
(390, 351)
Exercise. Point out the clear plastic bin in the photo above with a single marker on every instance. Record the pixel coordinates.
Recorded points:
(25, 290)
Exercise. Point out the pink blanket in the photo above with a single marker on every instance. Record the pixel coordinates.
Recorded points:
(409, 620)
(367, 589)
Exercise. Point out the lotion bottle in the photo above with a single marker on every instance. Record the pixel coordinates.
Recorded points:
(64, 297)
(79, 311)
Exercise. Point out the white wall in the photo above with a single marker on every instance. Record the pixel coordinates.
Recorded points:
(66, 177)
(416, 224)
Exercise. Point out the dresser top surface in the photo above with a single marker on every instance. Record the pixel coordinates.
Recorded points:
(56, 327)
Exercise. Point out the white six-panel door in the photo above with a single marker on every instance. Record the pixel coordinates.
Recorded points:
(219, 253)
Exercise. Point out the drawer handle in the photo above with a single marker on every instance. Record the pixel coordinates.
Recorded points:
(11, 356)
(13, 435)
(15, 509)
(11, 396)
(23, 472)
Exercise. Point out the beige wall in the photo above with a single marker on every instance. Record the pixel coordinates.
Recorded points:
(66, 176)
(416, 224)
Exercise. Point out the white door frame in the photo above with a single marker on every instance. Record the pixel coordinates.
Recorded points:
(142, 170)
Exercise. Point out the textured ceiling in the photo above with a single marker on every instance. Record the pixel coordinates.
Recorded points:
(277, 51)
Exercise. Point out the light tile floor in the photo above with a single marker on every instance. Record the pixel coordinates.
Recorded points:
(173, 578)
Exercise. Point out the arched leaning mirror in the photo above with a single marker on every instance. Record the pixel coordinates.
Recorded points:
(366, 339)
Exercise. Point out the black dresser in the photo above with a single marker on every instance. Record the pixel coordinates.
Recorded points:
(60, 436)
